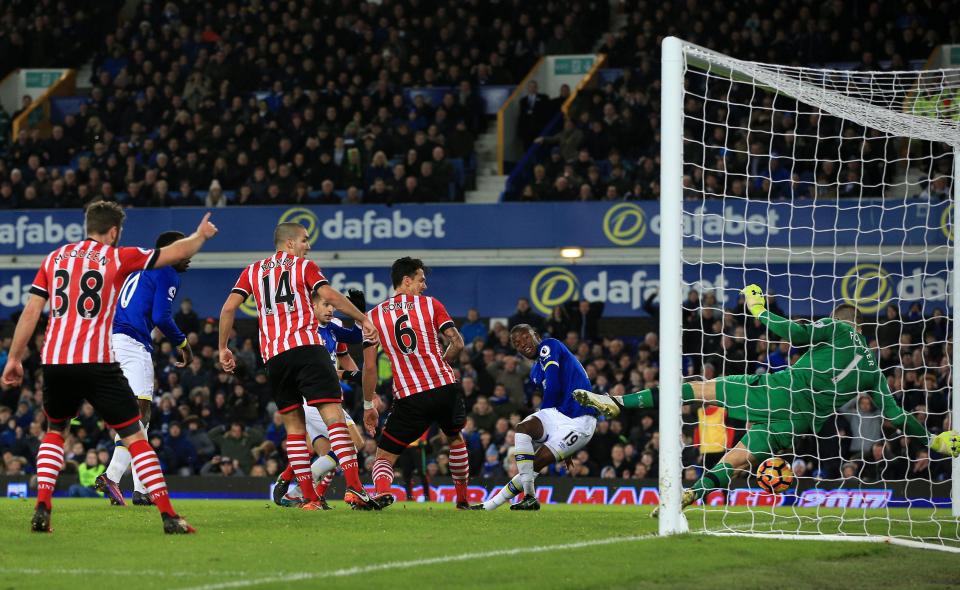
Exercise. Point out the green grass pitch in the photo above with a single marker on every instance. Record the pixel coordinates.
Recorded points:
(252, 544)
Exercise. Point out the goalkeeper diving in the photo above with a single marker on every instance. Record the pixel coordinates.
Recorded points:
(798, 400)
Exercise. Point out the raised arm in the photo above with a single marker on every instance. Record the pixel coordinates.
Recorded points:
(188, 246)
(795, 332)
(341, 303)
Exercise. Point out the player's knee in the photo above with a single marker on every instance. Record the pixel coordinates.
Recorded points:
(532, 428)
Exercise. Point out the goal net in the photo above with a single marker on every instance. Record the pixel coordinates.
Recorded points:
(823, 187)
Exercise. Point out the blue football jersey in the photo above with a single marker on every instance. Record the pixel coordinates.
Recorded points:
(558, 373)
(336, 337)
(144, 303)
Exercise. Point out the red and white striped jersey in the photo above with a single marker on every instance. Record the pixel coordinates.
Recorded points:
(81, 282)
(282, 286)
(409, 326)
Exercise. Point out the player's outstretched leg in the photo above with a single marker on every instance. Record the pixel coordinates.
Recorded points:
(506, 493)
(718, 476)
(49, 464)
(607, 405)
(645, 399)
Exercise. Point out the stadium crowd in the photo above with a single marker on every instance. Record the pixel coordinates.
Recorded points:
(211, 423)
(294, 102)
(594, 153)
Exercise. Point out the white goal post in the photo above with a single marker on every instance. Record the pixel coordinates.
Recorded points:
(892, 204)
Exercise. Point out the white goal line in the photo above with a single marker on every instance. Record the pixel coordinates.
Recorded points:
(842, 538)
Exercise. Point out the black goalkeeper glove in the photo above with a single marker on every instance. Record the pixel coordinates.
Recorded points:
(352, 377)
(358, 299)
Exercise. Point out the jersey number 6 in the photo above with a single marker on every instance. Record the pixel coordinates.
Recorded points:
(406, 337)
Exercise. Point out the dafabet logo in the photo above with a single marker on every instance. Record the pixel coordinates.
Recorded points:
(553, 286)
(625, 224)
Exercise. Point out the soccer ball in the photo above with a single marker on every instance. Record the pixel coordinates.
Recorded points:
(775, 475)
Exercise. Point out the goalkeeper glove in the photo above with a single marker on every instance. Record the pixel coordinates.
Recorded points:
(358, 299)
(754, 300)
(352, 377)
(946, 443)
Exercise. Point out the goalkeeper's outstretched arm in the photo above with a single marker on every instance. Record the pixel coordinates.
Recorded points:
(947, 443)
(795, 332)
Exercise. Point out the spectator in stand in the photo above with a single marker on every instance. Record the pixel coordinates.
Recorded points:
(483, 415)
(534, 114)
(223, 466)
(238, 442)
(88, 471)
(585, 317)
(473, 328)
(525, 315)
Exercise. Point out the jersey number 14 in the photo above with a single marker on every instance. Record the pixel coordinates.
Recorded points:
(284, 293)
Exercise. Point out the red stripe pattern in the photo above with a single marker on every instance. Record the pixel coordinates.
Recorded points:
(81, 282)
(282, 286)
(147, 467)
(409, 327)
(459, 461)
(342, 446)
(49, 464)
(382, 475)
(325, 482)
(298, 453)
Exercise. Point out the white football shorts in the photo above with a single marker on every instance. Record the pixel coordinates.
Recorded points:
(564, 436)
(136, 363)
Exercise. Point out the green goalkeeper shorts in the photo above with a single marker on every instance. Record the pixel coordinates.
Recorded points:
(751, 399)
(771, 411)
(769, 438)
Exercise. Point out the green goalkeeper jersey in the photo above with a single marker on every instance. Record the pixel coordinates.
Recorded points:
(836, 369)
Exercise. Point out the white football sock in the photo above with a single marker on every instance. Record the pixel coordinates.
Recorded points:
(322, 466)
(507, 493)
(524, 458)
(119, 462)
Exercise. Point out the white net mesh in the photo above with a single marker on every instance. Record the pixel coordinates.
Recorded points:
(823, 187)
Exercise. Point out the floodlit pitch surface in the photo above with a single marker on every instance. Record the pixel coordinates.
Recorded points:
(252, 544)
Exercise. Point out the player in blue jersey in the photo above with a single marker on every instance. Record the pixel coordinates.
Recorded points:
(144, 303)
(561, 426)
(335, 338)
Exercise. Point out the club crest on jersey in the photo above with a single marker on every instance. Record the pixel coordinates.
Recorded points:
(172, 293)
(544, 351)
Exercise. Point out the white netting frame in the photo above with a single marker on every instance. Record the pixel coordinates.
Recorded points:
(899, 108)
